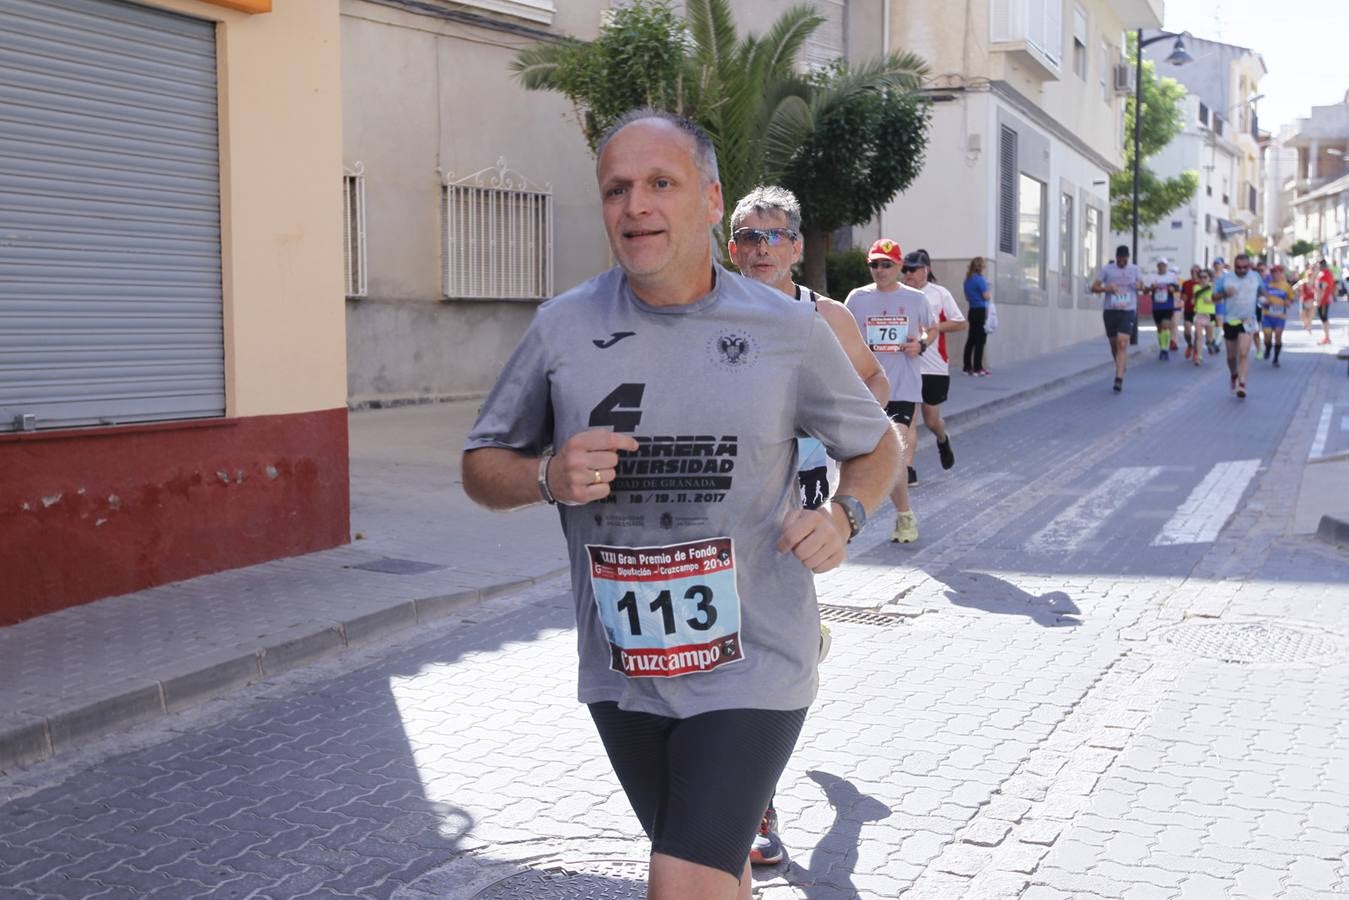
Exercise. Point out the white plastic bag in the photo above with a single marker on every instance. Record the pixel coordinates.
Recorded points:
(991, 323)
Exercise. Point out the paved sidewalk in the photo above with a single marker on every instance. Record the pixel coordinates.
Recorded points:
(421, 551)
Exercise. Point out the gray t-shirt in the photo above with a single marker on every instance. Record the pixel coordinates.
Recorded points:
(888, 319)
(1250, 287)
(683, 603)
(1126, 277)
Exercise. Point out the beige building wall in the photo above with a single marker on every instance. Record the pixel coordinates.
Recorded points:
(281, 212)
(429, 100)
(1068, 122)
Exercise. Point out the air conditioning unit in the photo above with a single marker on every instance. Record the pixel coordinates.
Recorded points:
(1124, 78)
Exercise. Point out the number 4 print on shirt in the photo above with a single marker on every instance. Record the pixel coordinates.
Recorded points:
(620, 410)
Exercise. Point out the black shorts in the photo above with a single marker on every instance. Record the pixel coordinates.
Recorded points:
(1119, 321)
(1323, 312)
(1259, 314)
(936, 388)
(901, 411)
(814, 486)
(700, 785)
(1189, 315)
(1162, 317)
(1232, 332)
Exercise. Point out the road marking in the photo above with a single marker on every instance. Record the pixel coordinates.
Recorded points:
(1322, 433)
(1210, 504)
(1080, 522)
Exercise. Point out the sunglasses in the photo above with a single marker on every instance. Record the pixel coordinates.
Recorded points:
(907, 269)
(880, 264)
(774, 236)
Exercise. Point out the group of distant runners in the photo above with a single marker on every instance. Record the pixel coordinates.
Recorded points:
(1248, 305)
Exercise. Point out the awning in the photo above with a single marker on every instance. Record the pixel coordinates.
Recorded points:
(1230, 229)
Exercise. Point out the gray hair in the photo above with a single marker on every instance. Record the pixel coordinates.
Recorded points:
(765, 199)
(704, 153)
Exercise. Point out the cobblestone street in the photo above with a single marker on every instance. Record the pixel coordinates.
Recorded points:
(1103, 671)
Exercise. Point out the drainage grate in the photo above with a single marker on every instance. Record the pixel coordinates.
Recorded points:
(391, 566)
(851, 615)
(594, 879)
(1253, 642)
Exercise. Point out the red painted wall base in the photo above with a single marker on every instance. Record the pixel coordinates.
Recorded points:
(89, 513)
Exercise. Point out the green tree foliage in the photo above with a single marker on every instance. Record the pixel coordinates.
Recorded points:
(1302, 247)
(639, 59)
(866, 143)
(1163, 119)
(744, 90)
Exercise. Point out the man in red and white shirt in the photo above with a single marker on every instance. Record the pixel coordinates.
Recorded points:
(1325, 295)
(917, 273)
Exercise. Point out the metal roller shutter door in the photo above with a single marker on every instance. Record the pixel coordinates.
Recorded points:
(110, 296)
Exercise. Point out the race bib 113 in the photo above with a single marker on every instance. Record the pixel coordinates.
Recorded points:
(668, 611)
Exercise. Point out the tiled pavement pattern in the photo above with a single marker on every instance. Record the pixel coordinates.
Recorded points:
(1028, 734)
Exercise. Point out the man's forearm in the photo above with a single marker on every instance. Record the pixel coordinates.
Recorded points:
(501, 479)
(871, 476)
(879, 385)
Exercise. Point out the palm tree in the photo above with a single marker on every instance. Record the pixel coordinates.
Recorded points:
(744, 91)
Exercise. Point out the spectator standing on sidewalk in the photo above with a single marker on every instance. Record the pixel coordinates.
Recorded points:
(898, 328)
(765, 244)
(977, 297)
(917, 273)
(691, 558)
(1120, 282)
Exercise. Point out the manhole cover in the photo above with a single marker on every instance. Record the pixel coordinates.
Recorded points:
(1253, 642)
(392, 566)
(851, 615)
(595, 879)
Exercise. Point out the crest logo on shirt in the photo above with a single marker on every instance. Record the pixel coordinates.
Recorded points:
(734, 350)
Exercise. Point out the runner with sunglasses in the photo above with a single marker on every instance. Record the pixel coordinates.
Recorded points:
(1120, 283)
(898, 326)
(765, 244)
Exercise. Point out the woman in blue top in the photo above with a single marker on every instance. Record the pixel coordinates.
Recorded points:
(976, 294)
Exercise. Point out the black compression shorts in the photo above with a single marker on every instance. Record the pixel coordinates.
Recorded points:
(936, 388)
(700, 785)
(901, 411)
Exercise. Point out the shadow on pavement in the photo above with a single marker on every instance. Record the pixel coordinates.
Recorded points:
(834, 859)
(979, 590)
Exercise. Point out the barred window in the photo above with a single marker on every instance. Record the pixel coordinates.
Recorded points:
(498, 237)
(353, 229)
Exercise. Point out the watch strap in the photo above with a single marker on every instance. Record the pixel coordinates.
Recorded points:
(855, 513)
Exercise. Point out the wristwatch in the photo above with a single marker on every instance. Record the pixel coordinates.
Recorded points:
(922, 346)
(855, 512)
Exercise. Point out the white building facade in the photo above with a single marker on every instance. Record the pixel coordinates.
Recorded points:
(1026, 129)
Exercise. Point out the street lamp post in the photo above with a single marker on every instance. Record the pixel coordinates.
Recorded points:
(1178, 57)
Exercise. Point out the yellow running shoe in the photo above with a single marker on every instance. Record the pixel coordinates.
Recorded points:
(906, 528)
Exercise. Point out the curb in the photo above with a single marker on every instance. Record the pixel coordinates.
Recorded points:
(1333, 530)
(33, 735)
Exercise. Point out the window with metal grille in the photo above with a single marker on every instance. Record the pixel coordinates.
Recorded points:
(498, 237)
(828, 42)
(353, 229)
(1006, 190)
